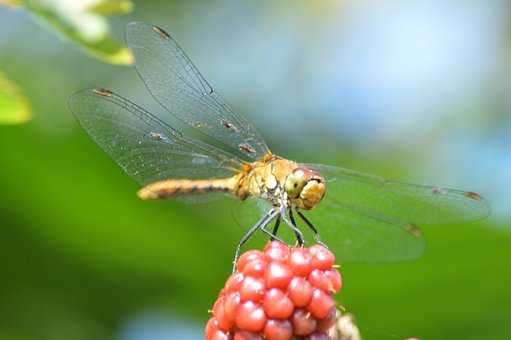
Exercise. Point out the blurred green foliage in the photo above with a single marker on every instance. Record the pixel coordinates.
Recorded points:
(82, 256)
(85, 23)
(82, 22)
(14, 108)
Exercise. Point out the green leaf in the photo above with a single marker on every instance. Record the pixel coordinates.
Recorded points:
(84, 22)
(14, 107)
(11, 3)
(111, 7)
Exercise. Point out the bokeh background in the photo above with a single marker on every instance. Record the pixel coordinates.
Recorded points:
(412, 90)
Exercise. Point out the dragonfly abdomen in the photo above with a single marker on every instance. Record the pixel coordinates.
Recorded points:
(180, 187)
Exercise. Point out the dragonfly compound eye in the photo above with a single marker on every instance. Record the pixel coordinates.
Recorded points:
(295, 182)
(305, 186)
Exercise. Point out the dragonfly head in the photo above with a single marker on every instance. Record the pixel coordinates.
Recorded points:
(305, 187)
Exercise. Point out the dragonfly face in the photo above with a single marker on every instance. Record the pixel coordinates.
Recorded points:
(363, 218)
(305, 188)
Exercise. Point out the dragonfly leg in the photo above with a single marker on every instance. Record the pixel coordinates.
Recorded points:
(275, 228)
(272, 236)
(298, 233)
(261, 224)
(312, 227)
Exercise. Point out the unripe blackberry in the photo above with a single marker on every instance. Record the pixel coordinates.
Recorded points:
(279, 293)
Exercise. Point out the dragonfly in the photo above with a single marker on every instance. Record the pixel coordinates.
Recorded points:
(361, 217)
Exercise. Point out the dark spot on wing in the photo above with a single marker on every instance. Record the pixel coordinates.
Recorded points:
(103, 92)
(229, 126)
(246, 148)
(156, 135)
(438, 190)
(472, 195)
(413, 229)
(161, 32)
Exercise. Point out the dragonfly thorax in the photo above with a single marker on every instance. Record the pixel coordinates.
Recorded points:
(281, 181)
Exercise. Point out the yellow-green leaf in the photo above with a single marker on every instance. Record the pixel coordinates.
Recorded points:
(80, 22)
(110, 7)
(14, 107)
(12, 3)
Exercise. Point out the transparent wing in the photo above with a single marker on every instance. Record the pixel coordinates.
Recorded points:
(355, 236)
(246, 213)
(177, 85)
(146, 148)
(368, 218)
(397, 201)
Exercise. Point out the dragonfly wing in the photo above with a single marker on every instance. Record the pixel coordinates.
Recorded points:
(370, 219)
(147, 148)
(177, 85)
(401, 202)
(357, 237)
(247, 212)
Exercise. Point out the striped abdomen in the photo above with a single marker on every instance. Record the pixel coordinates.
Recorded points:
(180, 187)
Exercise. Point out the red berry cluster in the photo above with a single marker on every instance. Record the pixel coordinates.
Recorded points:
(280, 293)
